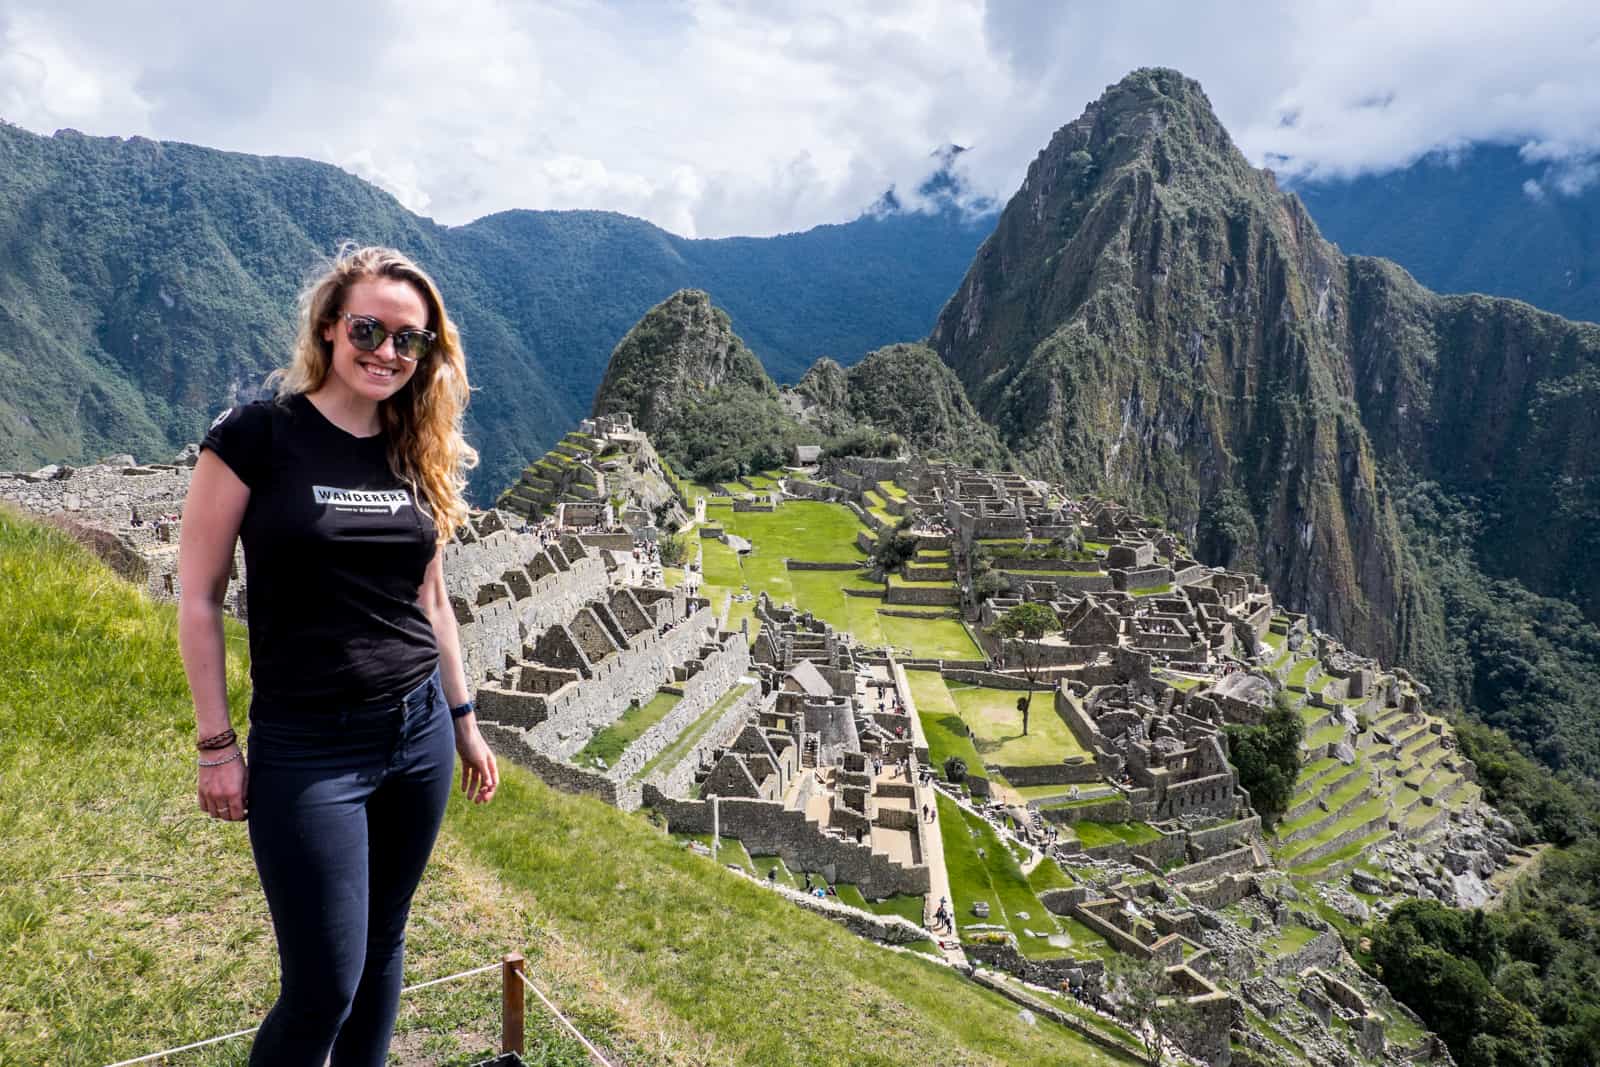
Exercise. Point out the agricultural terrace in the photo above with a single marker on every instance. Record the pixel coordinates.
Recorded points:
(1342, 810)
(983, 868)
(941, 722)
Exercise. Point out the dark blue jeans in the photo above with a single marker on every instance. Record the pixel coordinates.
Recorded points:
(344, 809)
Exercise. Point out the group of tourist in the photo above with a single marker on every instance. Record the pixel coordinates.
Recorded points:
(811, 887)
(135, 519)
(647, 559)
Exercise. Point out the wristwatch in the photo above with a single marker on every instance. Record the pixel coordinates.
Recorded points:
(462, 710)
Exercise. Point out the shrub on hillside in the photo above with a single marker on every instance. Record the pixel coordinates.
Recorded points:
(1267, 757)
(896, 549)
(865, 442)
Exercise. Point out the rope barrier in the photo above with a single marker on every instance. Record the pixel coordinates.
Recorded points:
(186, 1048)
(594, 1053)
(243, 1033)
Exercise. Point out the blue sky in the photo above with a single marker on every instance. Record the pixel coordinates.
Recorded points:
(711, 117)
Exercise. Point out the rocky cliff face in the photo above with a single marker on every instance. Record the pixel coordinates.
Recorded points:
(1155, 318)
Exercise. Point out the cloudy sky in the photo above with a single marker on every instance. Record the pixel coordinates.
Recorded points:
(715, 117)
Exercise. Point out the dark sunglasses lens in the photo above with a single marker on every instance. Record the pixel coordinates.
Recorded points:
(366, 334)
(411, 344)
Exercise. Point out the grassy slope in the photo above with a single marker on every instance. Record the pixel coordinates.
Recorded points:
(129, 922)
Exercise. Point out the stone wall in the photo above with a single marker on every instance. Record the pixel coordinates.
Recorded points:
(1072, 1022)
(1322, 951)
(551, 589)
(1229, 889)
(1111, 809)
(991, 680)
(889, 929)
(1003, 956)
(768, 828)
(512, 744)
(576, 710)
(1235, 861)
(1077, 720)
(1115, 936)
(719, 672)
(935, 596)
(1211, 795)
(676, 780)
(1143, 578)
(99, 490)
(1052, 774)
(1217, 839)
(804, 490)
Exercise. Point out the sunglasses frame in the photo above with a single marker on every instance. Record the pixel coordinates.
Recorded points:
(350, 320)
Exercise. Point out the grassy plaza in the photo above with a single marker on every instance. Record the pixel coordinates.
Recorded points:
(997, 727)
(817, 532)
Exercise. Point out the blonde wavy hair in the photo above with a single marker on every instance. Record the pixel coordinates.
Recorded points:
(422, 420)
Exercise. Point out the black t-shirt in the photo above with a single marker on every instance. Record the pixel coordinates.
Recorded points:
(335, 550)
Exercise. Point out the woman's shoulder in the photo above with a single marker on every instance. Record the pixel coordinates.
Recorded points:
(242, 435)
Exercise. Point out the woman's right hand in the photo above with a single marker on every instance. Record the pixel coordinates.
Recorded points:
(222, 789)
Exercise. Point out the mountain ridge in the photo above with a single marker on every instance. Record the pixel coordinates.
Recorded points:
(145, 285)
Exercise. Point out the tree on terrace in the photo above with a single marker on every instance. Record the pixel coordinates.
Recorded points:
(1140, 990)
(1025, 626)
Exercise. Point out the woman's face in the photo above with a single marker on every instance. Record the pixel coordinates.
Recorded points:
(379, 374)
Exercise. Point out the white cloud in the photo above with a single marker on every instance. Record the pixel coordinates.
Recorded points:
(712, 117)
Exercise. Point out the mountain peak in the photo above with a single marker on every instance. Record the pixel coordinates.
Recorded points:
(683, 346)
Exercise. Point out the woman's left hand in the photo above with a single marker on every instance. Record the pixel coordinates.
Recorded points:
(479, 775)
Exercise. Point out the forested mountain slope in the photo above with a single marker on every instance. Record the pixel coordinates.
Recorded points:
(145, 285)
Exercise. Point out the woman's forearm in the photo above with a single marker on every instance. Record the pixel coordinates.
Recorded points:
(451, 671)
(204, 662)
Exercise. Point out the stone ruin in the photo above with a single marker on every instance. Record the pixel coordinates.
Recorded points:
(578, 483)
(798, 743)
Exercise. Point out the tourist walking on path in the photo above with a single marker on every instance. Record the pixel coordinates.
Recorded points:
(341, 488)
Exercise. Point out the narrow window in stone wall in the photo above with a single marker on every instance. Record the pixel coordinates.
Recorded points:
(166, 580)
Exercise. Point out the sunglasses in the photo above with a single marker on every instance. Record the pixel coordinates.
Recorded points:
(368, 334)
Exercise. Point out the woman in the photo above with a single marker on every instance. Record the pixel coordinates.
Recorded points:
(342, 489)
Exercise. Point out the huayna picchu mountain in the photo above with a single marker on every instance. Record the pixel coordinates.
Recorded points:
(692, 383)
(1155, 319)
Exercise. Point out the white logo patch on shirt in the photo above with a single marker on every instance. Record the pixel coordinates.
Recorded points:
(361, 501)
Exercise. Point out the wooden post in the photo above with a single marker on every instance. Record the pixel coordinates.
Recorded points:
(511, 997)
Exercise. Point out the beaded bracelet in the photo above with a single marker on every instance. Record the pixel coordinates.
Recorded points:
(217, 741)
(238, 754)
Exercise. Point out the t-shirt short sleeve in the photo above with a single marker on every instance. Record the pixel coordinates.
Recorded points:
(241, 438)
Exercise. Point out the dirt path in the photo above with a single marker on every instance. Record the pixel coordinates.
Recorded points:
(1502, 880)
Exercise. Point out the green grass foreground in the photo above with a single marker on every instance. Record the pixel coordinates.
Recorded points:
(129, 922)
